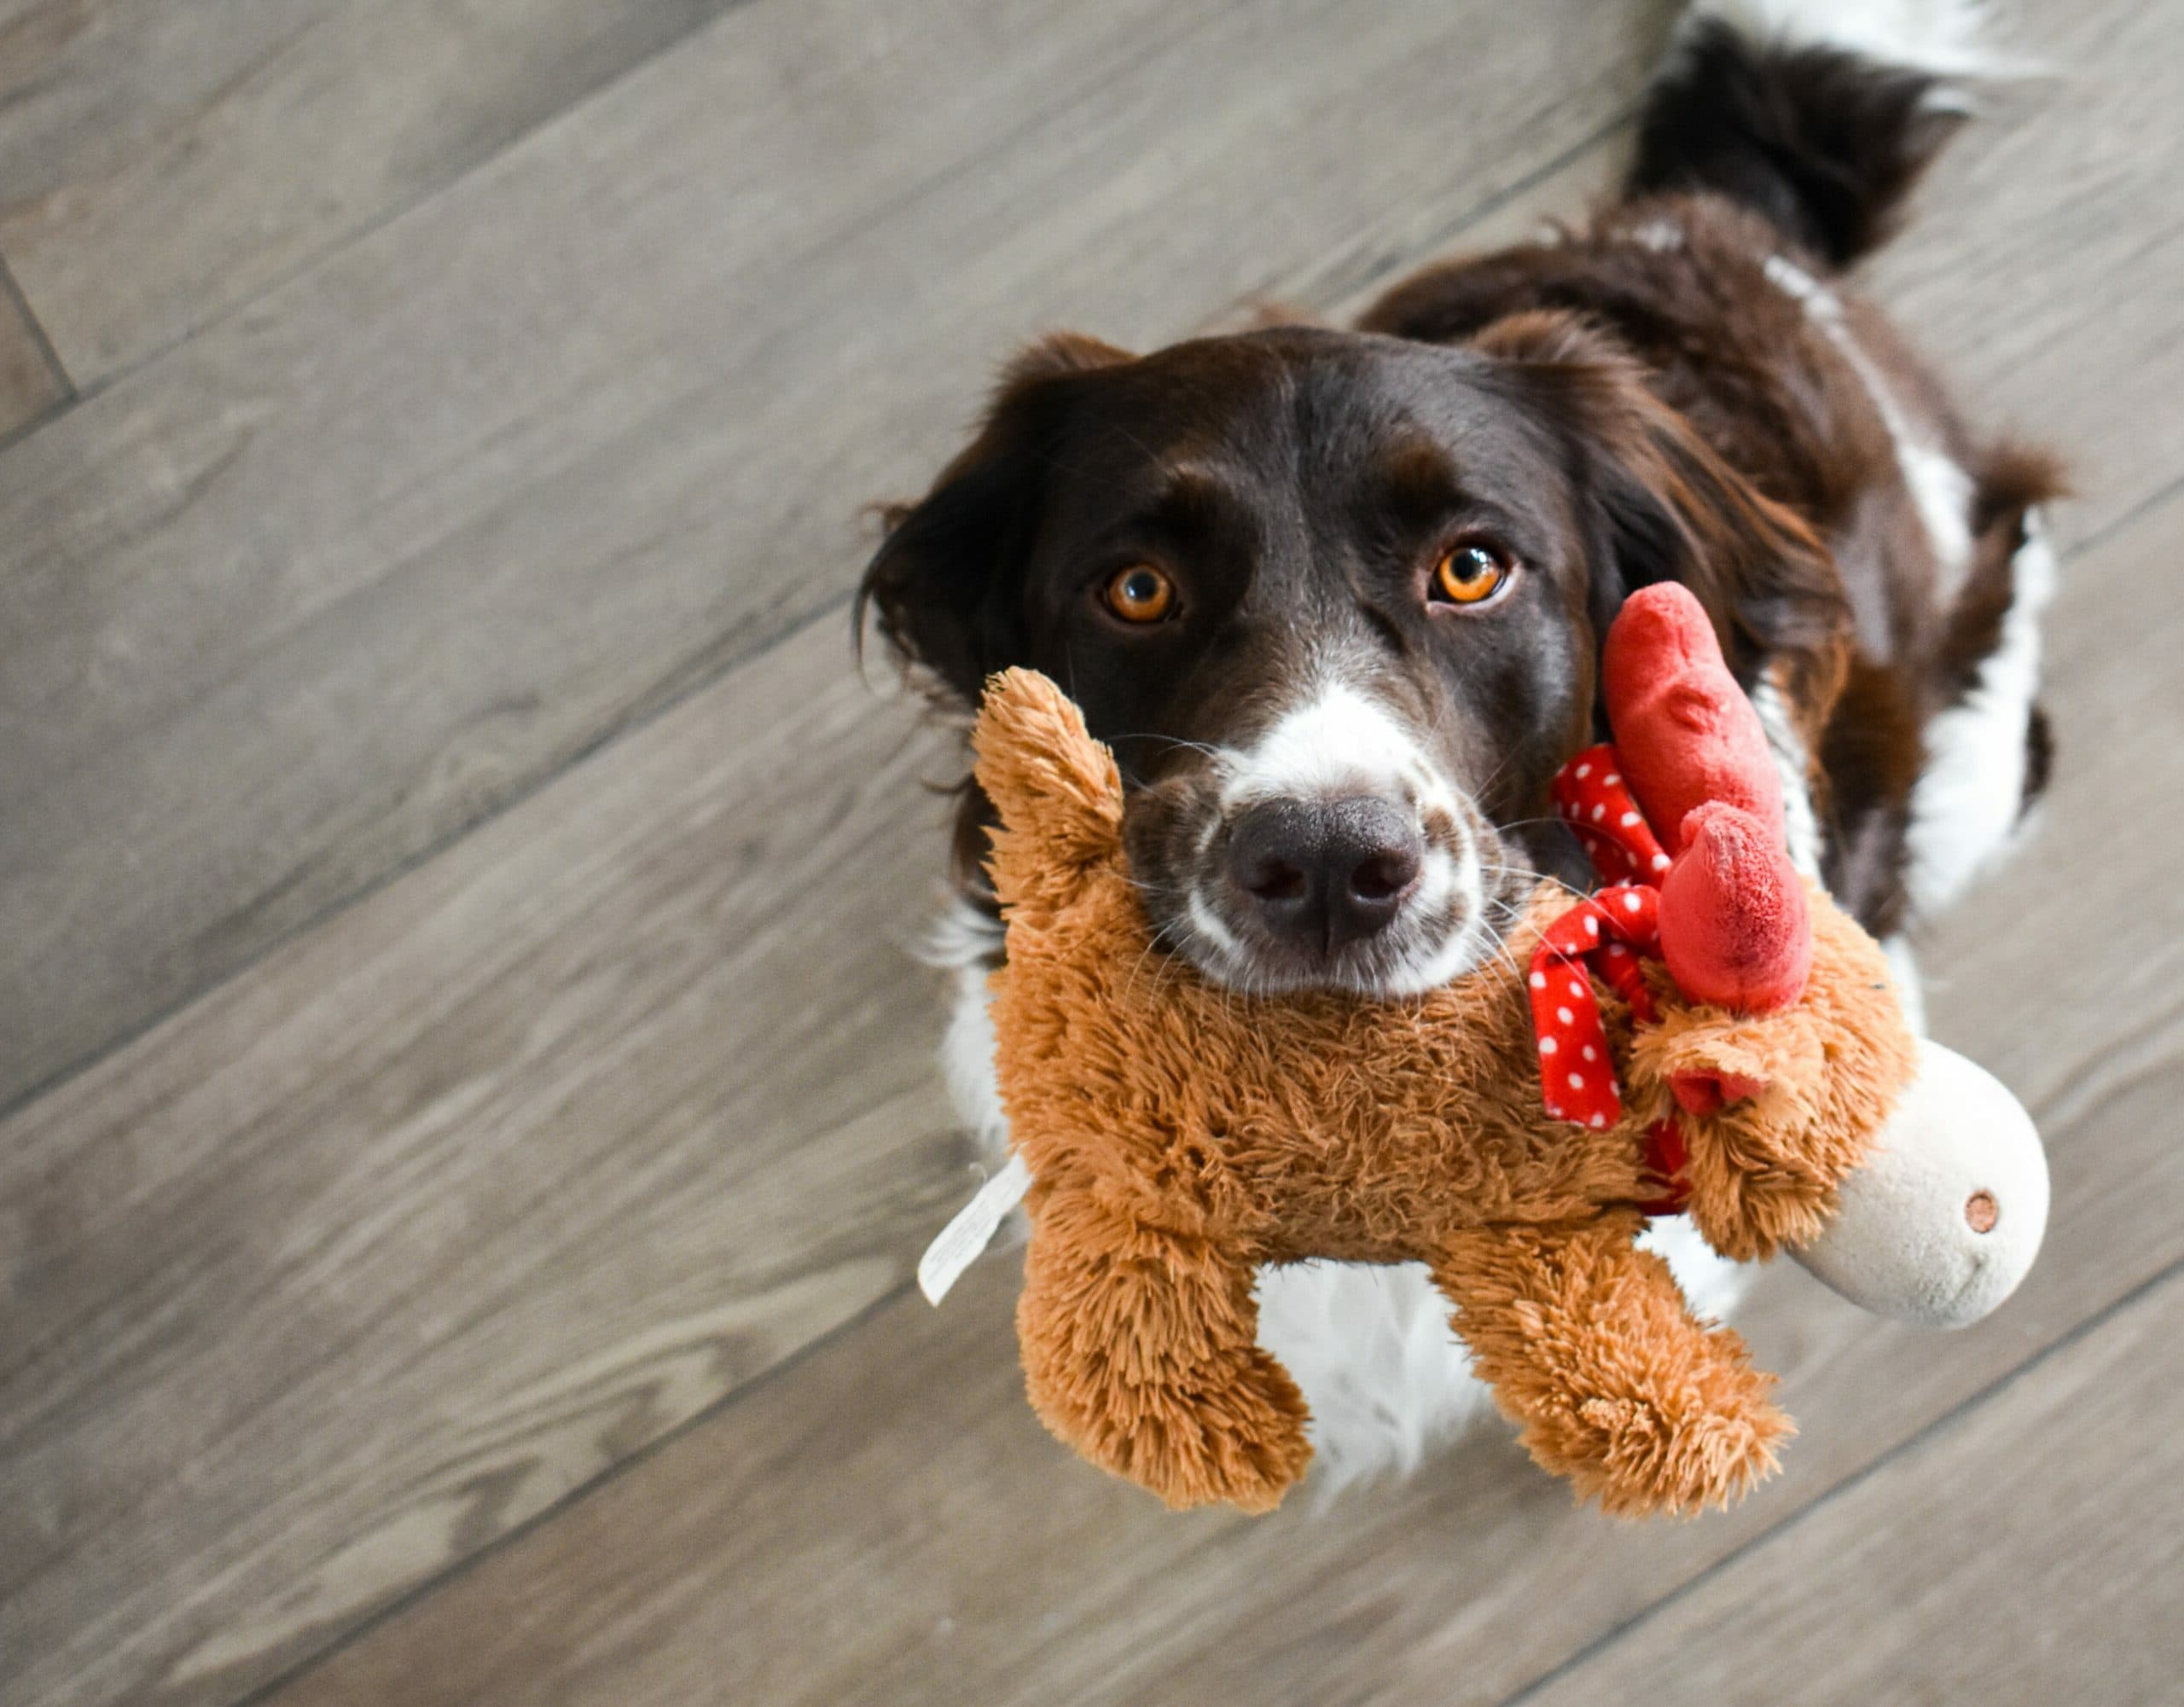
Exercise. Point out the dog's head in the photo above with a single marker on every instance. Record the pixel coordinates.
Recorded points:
(1335, 600)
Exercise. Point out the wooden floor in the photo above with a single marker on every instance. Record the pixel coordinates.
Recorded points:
(467, 1116)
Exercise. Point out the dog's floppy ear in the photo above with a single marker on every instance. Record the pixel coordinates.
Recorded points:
(945, 582)
(1664, 506)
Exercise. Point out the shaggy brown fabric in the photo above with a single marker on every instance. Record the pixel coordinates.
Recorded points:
(1179, 1134)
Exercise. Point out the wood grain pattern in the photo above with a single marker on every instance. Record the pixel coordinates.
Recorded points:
(886, 1523)
(2057, 192)
(162, 161)
(395, 1239)
(2029, 1552)
(353, 568)
(30, 383)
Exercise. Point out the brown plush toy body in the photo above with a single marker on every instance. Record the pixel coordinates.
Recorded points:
(1179, 1136)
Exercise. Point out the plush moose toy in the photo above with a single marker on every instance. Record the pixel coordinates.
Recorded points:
(1707, 1033)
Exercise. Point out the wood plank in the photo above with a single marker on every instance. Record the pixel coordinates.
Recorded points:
(1337, 288)
(385, 1247)
(2034, 250)
(357, 565)
(30, 381)
(886, 1523)
(165, 161)
(2029, 1551)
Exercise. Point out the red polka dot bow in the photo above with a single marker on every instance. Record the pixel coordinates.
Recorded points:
(1593, 800)
(1606, 934)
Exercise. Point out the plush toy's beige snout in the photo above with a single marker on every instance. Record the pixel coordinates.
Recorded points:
(1946, 1216)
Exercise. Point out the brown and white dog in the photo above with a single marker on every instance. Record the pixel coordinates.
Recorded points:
(1336, 598)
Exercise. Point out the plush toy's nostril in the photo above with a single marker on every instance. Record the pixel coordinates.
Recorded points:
(1981, 1211)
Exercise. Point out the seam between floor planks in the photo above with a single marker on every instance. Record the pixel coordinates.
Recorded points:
(2123, 521)
(34, 351)
(262, 1693)
(2022, 1370)
(364, 228)
(608, 736)
(401, 208)
(13, 291)
(1349, 296)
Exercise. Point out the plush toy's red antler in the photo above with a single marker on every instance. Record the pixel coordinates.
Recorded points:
(1734, 926)
(1684, 730)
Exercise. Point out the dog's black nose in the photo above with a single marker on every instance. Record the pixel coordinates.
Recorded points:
(1327, 873)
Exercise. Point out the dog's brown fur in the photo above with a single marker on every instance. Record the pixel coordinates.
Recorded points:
(1180, 1136)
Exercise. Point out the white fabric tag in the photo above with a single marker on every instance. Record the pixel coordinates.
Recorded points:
(972, 1230)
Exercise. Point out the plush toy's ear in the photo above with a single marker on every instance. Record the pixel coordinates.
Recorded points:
(1709, 1091)
(1710, 1064)
(1055, 789)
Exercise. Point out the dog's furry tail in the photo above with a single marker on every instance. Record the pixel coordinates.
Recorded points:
(1821, 114)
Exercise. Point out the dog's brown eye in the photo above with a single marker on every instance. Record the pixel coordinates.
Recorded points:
(1470, 574)
(1141, 594)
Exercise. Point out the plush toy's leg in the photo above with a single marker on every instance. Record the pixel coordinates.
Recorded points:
(1589, 1345)
(1141, 1350)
